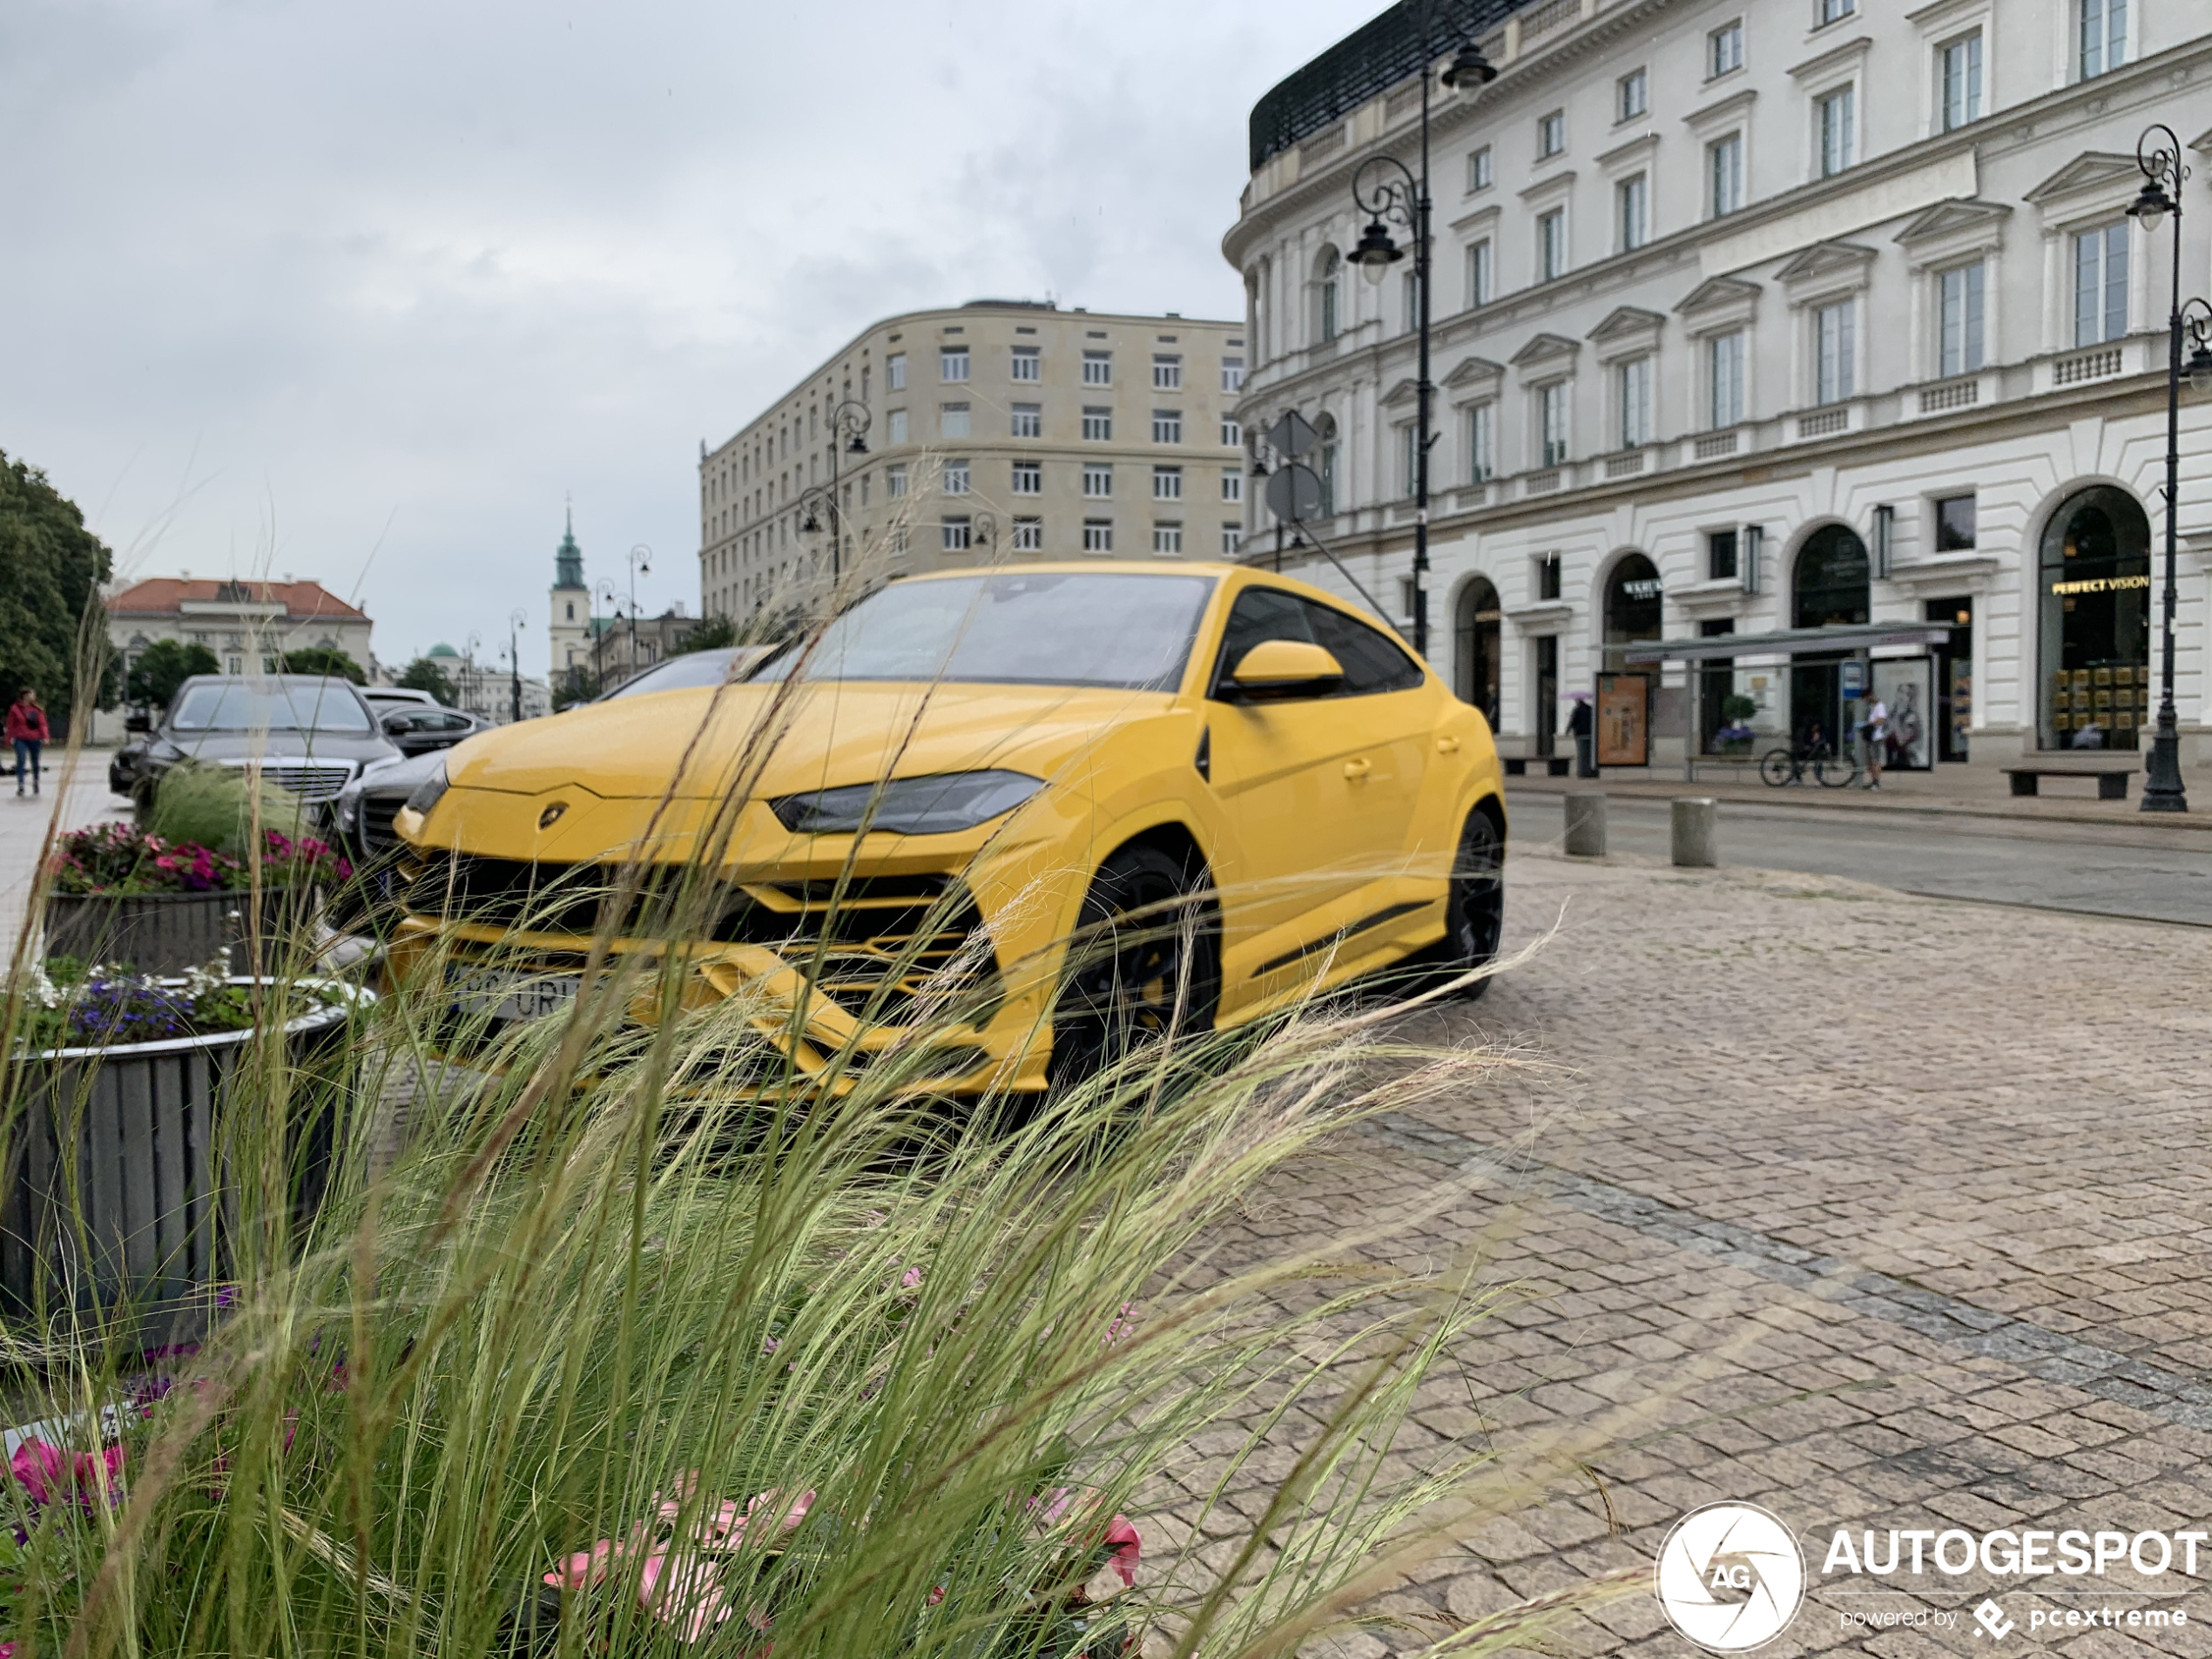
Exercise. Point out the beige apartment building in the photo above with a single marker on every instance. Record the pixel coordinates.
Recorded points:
(998, 429)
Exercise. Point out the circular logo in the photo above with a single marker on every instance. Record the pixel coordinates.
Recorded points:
(1730, 1577)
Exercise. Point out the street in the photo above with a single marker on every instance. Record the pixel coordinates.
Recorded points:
(1880, 1211)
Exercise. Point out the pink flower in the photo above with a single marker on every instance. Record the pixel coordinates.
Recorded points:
(50, 1475)
(911, 1279)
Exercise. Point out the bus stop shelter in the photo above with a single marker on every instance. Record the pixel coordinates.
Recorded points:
(1860, 640)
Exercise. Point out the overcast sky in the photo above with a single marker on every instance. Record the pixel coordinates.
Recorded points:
(363, 291)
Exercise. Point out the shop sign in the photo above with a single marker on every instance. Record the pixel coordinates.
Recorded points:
(2102, 584)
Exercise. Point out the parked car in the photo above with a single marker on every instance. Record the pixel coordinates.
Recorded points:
(361, 821)
(972, 767)
(310, 734)
(421, 731)
(385, 699)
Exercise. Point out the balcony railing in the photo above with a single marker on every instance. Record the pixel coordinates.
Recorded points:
(2087, 366)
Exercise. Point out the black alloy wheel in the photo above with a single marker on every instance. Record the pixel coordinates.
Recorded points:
(1145, 965)
(1474, 909)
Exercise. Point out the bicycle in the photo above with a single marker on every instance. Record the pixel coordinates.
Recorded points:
(1780, 767)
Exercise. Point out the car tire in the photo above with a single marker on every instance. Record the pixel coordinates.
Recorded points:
(1474, 919)
(1121, 993)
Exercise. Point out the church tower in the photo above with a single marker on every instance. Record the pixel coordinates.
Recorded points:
(569, 626)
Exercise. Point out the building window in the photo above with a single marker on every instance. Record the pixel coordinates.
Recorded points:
(1028, 420)
(1029, 478)
(955, 479)
(1479, 169)
(1954, 524)
(2101, 285)
(1098, 425)
(894, 481)
(1028, 363)
(1232, 373)
(1098, 368)
(952, 421)
(952, 363)
(1232, 540)
(1167, 426)
(1551, 421)
(1960, 63)
(1632, 197)
(1232, 432)
(894, 372)
(1632, 96)
(952, 535)
(894, 426)
(2104, 35)
(1551, 244)
(1098, 479)
(1835, 350)
(1232, 483)
(1167, 483)
(1547, 575)
(1098, 536)
(1724, 368)
(1724, 175)
(1720, 556)
(1167, 374)
(1839, 123)
(1331, 268)
(1724, 49)
(1327, 467)
(1551, 134)
(1634, 387)
(1959, 348)
(1167, 538)
(1028, 535)
(1409, 460)
(1479, 273)
(1409, 308)
(1482, 431)
(1827, 11)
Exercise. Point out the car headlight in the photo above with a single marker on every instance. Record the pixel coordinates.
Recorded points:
(429, 792)
(933, 805)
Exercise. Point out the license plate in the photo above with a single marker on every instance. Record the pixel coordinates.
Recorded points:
(501, 994)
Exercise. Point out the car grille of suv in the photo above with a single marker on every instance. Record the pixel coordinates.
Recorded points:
(378, 816)
(879, 951)
(310, 780)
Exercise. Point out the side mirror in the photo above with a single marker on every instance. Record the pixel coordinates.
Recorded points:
(1280, 670)
(139, 724)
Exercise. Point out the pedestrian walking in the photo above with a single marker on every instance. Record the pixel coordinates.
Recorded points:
(1874, 726)
(28, 735)
(1582, 723)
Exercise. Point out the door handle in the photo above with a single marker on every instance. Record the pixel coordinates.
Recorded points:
(1358, 769)
(1447, 745)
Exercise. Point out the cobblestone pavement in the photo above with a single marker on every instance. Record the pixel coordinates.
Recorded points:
(1878, 1211)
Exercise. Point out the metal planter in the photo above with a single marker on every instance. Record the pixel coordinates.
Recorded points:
(113, 1200)
(164, 933)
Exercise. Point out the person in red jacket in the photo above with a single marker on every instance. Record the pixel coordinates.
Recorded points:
(27, 733)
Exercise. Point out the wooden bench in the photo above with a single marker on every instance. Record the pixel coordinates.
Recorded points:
(2111, 785)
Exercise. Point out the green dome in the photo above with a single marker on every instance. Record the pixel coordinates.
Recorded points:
(441, 649)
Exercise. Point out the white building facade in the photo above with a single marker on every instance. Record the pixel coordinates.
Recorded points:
(1753, 319)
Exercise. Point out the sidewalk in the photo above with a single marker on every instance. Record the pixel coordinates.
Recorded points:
(1949, 790)
(23, 822)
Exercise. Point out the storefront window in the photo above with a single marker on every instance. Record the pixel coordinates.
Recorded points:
(2096, 600)
(1831, 579)
(1631, 608)
(1476, 642)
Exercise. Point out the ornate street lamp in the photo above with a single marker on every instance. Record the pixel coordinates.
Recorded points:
(2159, 200)
(515, 622)
(1404, 200)
(640, 564)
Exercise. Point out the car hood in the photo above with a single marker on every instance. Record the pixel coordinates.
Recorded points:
(782, 739)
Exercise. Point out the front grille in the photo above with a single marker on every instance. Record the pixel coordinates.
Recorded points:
(378, 814)
(310, 780)
(513, 892)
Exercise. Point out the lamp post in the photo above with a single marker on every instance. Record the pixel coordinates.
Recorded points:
(1404, 200)
(473, 643)
(2160, 199)
(640, 564)
(515, 622)
(606, 594)
(848, 424)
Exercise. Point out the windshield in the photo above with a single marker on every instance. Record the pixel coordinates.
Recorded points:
(678, 673)
(279, 705)
(1125, 633)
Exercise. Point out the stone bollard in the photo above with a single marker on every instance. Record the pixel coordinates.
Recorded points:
(1585, 823)
(1694, 845)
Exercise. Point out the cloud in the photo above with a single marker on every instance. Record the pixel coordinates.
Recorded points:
(297, 284)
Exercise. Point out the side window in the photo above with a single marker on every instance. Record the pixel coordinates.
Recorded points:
(1259, 614)
(1371, 661)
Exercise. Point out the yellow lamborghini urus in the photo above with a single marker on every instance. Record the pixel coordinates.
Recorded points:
(959, 775)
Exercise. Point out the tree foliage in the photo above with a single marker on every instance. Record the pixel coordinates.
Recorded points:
(423, 674)
(324, 659)
(53, 630)
(713, 633)
(162, 667)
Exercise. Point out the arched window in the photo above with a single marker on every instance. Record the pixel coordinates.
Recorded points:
(1829, 586)
(1328, 280)
(2094, 596)
(1632, 611)
(1474, 638)
(1324, 463)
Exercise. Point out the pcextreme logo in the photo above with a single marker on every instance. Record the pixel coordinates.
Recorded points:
(1730, 1577)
